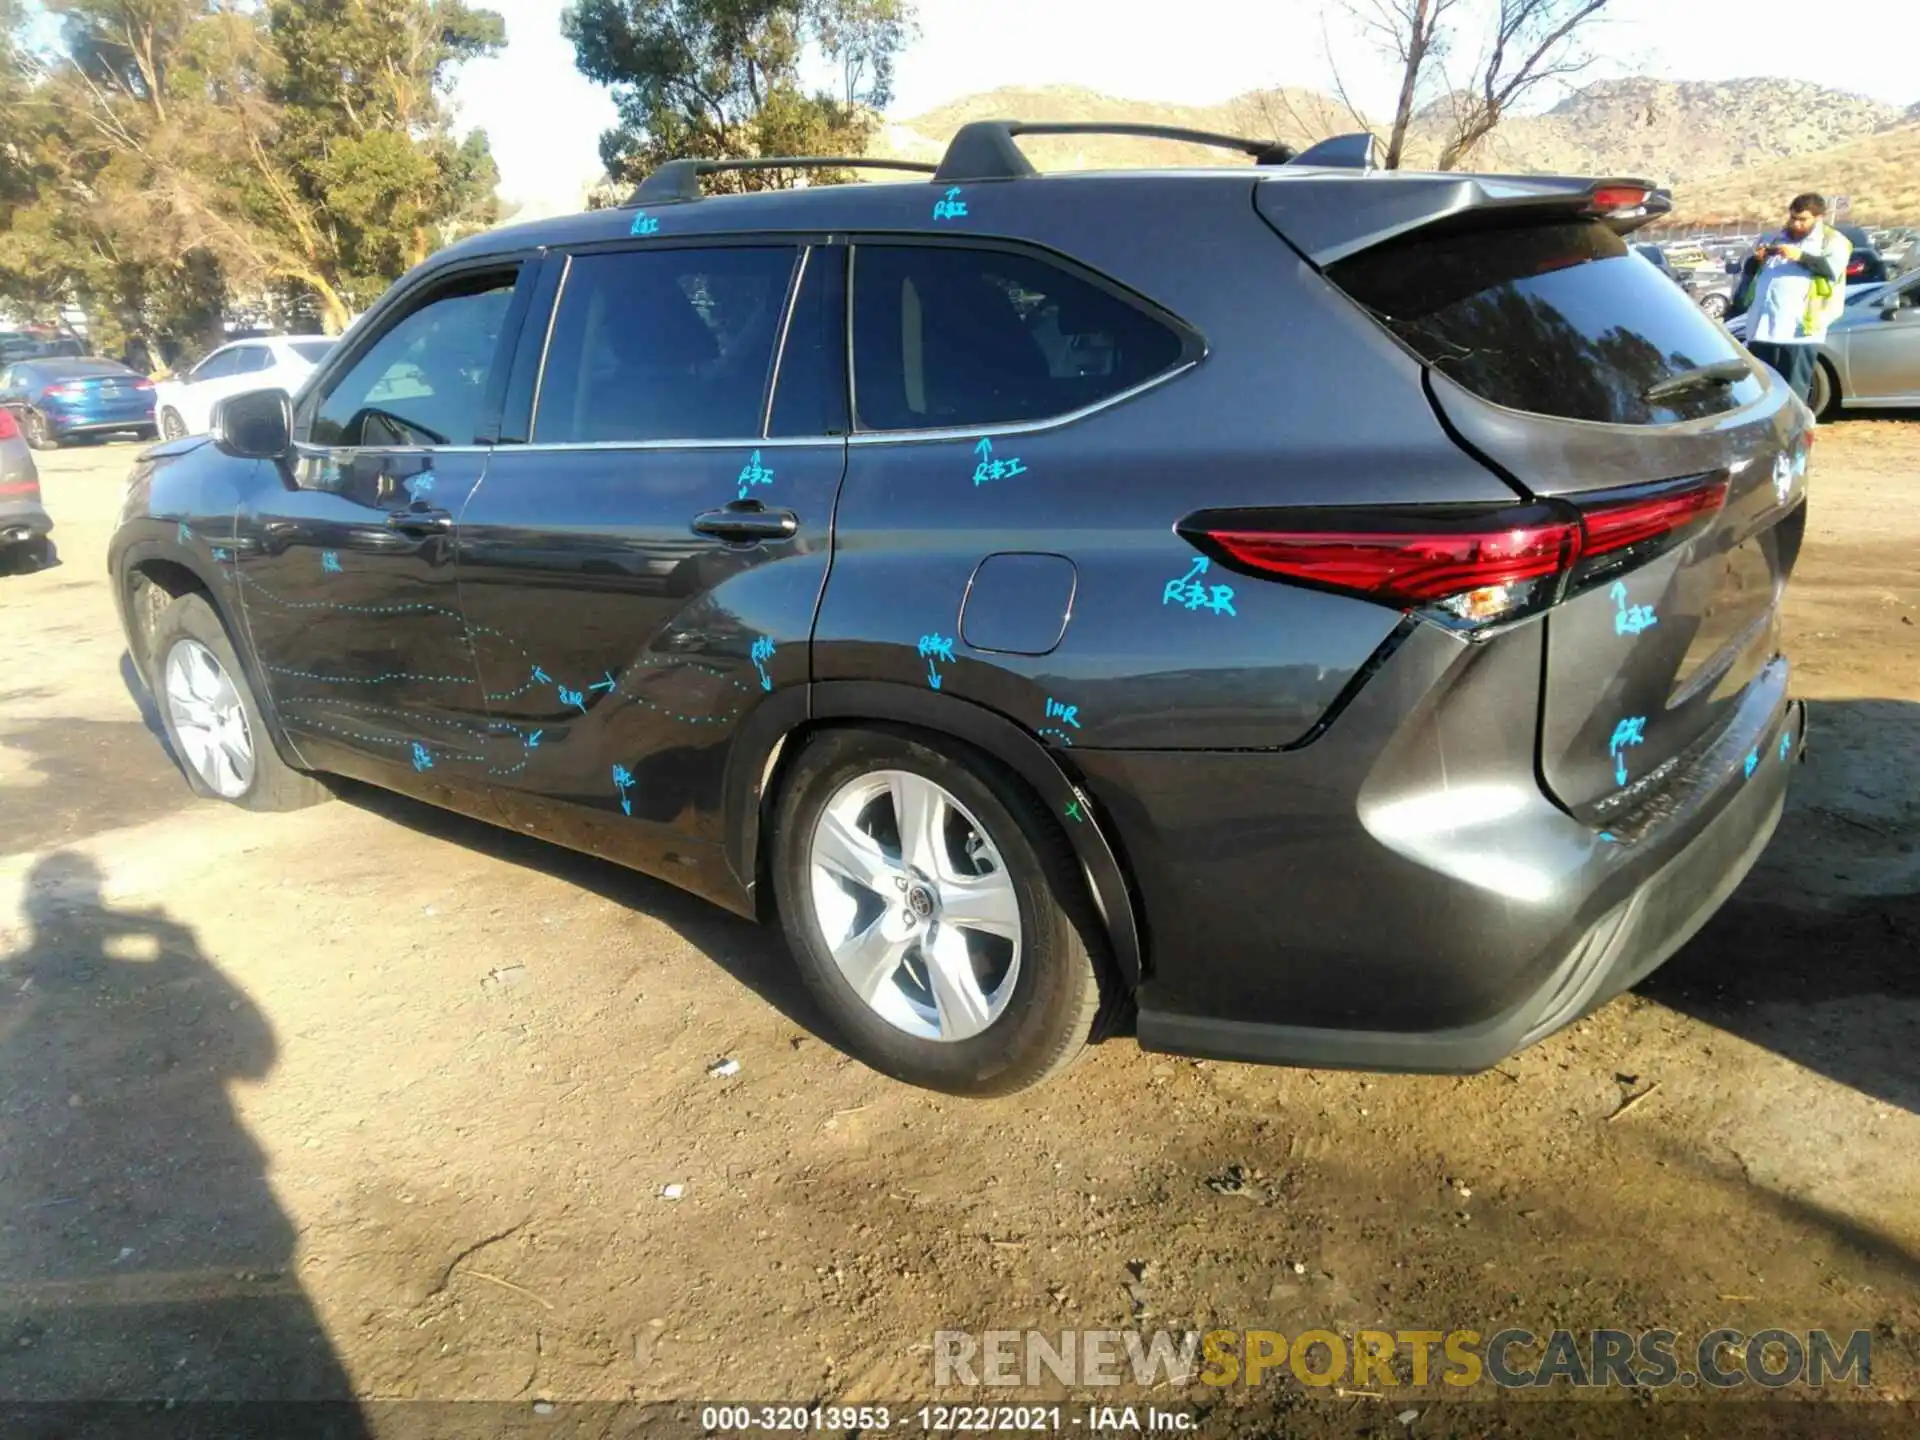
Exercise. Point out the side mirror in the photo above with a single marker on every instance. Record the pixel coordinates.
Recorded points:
(255, 425)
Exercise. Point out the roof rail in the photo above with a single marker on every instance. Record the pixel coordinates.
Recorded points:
(680, 179)
(984, 149)
(1358, 151)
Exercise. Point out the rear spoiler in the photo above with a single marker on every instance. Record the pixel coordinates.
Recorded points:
(1330, 215)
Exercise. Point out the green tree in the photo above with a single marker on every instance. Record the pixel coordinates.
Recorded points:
(721, 79)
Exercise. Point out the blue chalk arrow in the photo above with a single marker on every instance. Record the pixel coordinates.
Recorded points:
(984, 448)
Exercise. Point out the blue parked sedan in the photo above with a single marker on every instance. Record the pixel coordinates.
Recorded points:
(56, 398)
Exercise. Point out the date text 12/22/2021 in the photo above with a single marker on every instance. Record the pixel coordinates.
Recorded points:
(945, 1419)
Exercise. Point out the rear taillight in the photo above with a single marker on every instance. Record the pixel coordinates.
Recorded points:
(1466, 567)
(1618, 199)
(143, 384)
(9, 427)
(1856, 267)
(64, 391)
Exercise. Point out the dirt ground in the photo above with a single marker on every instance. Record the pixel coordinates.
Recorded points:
(370, 1101)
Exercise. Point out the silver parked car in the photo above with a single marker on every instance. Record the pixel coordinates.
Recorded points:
(1870, 359)
(24, 521)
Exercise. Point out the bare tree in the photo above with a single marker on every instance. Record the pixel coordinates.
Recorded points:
(1534, 41)
(1412, 33)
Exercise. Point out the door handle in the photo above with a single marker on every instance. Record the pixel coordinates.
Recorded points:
(746, 521)
(420, 522)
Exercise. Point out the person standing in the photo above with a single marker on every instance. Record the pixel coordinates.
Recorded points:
(1792, 287)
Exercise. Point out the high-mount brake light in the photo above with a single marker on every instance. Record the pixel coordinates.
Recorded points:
(1619, 199)
(1465, 567)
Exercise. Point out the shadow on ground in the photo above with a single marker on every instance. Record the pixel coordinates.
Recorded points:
(142, 1254)
(1814, 957)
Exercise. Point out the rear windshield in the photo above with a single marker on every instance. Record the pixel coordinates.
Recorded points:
(1559, 319)
(312, 351)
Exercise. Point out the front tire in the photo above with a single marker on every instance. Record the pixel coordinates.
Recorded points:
(935, 912)
(1714, 305)
(211, 716)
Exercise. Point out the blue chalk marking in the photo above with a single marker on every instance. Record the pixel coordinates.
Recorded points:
(754, 473)
(1073, 813)
(541, 676)
(1786, 743)
(1609, 837)
(573, 698)
(1630, 619)
(644, 224)
(1753, 762)
(186, 535)
(992, 469)
(950, 206)
(623, 782)
(421, 759)
(330, 561)
(533, 740)
(1628, 733)
(935, 649)
(420, 486)
(606, 684)
(763, 649)
(220, 552)
(1189, 593)
(1069, 714)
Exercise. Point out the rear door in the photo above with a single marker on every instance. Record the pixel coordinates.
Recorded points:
(1883, 345)
(1583, 375)
(641, 567)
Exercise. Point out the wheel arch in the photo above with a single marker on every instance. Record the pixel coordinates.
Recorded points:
(766, 745)
(149, 576)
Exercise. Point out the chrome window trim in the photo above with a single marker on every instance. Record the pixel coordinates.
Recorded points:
(1021, 427)
(798, 279)
(307, 448)
(745, 442)
(546, 344)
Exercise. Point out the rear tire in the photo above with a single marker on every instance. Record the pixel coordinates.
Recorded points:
(172, 427)
(1823, 396)
(39, 434)
(965, 1009)
(1714, 305)
(212, 719)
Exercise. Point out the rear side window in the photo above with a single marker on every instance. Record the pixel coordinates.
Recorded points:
(311, 351)
(948, 337)
(1557, 319)
(663, 345)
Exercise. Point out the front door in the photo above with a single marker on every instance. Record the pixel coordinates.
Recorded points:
(346, 567)
(644, 573)
(1883, 345)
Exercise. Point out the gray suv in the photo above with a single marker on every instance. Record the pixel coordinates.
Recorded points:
(1329, 615)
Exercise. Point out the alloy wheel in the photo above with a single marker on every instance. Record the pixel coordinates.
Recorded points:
(209, 719)
(172, 427)
(916, 905)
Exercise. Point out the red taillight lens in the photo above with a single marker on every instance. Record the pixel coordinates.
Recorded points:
(63, 392)
(1407, 568)
(9, 427)
(1473, 566)
(1856, 267)
(1615, 525)
(143, 384)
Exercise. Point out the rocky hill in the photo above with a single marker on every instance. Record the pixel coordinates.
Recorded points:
(1727, 140)
(1880, 174)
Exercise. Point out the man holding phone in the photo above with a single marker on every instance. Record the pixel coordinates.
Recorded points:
(1793, 287)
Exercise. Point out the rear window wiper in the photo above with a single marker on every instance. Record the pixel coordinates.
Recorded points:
(1720, 372)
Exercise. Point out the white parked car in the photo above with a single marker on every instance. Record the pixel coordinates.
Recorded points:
(184, 405)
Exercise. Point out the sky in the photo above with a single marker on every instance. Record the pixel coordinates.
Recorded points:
(544, 119)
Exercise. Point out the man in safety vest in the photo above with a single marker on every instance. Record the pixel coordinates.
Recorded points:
(1792, 288)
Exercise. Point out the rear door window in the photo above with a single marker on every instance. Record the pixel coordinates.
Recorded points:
(1557, 319)
(957, 337)
(663, 345)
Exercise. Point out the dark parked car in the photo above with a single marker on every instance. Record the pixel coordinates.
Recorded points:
(1360, 649)
(56, 400)
(1865, 266)
(24, 521)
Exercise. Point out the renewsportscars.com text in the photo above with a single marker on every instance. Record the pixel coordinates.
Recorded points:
(1389, 1359)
